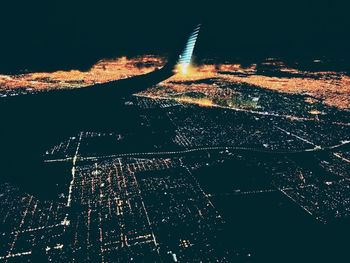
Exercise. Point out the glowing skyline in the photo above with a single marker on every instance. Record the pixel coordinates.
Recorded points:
(328, 86)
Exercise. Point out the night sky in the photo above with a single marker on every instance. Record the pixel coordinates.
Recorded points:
(50, 35)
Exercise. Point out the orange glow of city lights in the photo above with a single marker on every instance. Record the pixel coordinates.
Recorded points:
(331, 88)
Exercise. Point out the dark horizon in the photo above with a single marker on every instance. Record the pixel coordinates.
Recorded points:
(64, 35)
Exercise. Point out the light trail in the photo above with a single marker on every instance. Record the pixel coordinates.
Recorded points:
(298, 137)
(211, 148)
(341, 157)
(261, 113)
(252, 192)
(296, 202)
(75, 158)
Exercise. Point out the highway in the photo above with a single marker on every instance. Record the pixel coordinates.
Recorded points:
(197, 150)
(263, 113)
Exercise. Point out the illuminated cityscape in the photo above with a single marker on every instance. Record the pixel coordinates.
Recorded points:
(149, 198)
(332, 88)
(175, 132)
